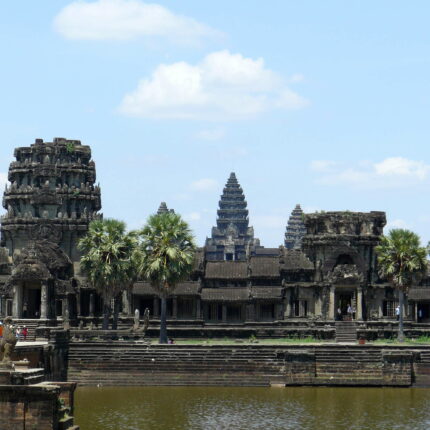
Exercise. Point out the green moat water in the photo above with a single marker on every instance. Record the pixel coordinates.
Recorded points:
(189, 408)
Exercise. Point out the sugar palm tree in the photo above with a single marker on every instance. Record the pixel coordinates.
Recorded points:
(402, 261)
(168, 249)
(109, 256)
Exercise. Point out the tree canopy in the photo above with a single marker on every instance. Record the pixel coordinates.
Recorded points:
(401, 258)
(109, 259)
(167, 254)
(402, 261)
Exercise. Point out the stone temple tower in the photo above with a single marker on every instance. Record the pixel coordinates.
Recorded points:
(50, 202)
(295, 229)
(232, 238)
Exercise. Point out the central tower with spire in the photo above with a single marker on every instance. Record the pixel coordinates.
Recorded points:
(232, 238)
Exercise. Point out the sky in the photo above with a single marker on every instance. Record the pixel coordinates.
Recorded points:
(325, 104)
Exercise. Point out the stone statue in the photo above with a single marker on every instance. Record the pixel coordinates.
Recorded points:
(136, 320)
(8, 342)
(136, 328)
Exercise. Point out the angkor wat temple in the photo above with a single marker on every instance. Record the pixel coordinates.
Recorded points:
(327, 262)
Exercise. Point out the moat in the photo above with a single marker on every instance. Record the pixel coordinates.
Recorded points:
(192, 408)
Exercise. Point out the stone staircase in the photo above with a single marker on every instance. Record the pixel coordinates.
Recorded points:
(346, 331)
(133, 364)
(31, 324)
(348, 366)
(99, 363)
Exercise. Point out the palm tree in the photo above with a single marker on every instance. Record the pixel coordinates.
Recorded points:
(109, 261)
(402, 261)
(167, 256)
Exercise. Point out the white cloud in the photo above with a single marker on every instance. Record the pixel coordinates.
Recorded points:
(322, 165)
(297, 78)
(193, 216)
(223, 86)
(396, 223)
(400, 166)
(204, 184)
(126, 20)
(3, 180)
(389, 173)
(210, 135)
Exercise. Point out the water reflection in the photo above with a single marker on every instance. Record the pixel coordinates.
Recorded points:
(178, 408)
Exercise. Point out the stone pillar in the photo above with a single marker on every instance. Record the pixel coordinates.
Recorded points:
(156, 305)
(224, 313)
(92, 305)
(44, 301)
(17, 301)
(2, 306)
(126, 303)
(331, 304)
(287, 304)
(359, 309)
(198, 308)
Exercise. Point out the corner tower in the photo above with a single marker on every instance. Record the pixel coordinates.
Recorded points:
(232, 238)
(295, 229)
(50, 202)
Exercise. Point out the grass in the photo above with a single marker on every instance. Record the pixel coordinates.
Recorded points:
(422, 340)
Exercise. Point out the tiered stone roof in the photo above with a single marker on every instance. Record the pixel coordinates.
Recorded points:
(232, 237)
(233, 207)
(295, 229)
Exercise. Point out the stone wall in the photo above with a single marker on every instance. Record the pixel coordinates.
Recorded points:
(130, 363)
(46, 406)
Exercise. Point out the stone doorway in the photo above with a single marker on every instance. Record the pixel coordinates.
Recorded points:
(343, 300)
(423, 312)
(31, 300)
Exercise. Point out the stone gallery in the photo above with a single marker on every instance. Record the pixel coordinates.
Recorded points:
(326, 265)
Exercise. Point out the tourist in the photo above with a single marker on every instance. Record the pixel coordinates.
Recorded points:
(397, 312)
(25, 332)
(349, 312)
(420, 314)
(339, 314)
(353, 312)
(1, 329)
(18, 333)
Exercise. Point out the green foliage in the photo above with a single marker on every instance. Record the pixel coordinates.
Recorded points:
(167, 251)
(110, 257)
(167, 254)
(70, 147)
(401, 259)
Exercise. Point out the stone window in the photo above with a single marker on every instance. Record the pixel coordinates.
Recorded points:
(389, 308)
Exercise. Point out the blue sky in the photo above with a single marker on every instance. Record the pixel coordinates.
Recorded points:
(325, 104)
